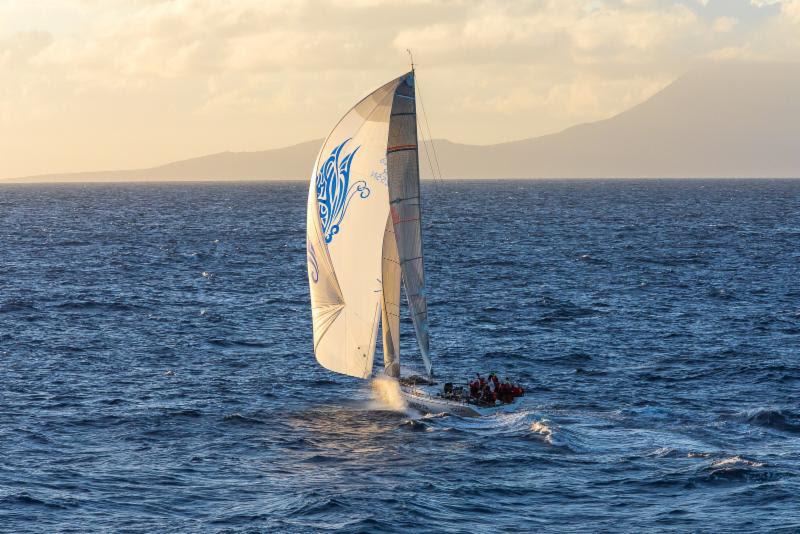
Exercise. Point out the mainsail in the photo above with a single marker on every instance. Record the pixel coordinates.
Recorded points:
(391, 302)
(402, 158)
(363, 233)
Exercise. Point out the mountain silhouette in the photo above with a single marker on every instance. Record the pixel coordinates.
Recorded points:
(718, 120)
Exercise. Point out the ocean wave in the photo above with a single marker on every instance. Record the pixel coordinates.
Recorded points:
(182, 412)
(524, 423)
(655, 413)
(722, 471)
(590, 372)
(588, 258)
(242, 419)
(721, 293)
(435, 415)
(732, 469)
(25, 499)
(220, 342)
(540, 427)
(415, 425)
(322, 459)
(91, 305)
(735, 461)
(503, 354)
(778, 419)
(566, 315)
(17, 305)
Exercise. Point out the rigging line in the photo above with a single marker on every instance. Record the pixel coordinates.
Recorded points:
(425, 144)
(430, 135)
(420, 129)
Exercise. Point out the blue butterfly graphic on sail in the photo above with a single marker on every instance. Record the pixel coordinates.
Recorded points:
(334, 190)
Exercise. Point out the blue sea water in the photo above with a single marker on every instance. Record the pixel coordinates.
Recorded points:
(157, 371)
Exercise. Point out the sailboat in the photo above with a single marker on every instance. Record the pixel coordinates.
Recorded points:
(364, 241)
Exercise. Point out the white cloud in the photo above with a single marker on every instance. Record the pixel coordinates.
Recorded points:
(20, 48)
(724, 24)
(183, 77)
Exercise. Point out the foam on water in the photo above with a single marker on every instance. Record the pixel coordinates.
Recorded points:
(735, 461)
(386, 391)
(540, 427)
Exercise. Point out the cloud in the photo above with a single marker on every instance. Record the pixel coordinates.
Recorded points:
(724, 24)
(20, 48)
(617, 31)
(132, 82)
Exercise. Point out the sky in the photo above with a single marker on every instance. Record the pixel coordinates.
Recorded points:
(112, 84)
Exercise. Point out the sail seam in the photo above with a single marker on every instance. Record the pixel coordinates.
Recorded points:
(373, 340)
(333, 315)
(401, 148)
(398, 200)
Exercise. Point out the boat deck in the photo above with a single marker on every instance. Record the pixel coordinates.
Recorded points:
(428, 398)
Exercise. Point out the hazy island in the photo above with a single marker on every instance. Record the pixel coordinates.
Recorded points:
(721, 120)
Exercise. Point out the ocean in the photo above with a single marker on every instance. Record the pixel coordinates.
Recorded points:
(158, 373)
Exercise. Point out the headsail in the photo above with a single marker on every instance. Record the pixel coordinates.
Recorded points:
(402, 160)
(348, 206)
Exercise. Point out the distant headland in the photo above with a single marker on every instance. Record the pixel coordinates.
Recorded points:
(725, 120)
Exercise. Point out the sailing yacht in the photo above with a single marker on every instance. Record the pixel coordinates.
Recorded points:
(364, 241)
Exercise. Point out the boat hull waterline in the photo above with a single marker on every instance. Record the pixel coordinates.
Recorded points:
(426, 400)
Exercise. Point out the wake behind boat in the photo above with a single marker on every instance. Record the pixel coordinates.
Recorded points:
(364, 241)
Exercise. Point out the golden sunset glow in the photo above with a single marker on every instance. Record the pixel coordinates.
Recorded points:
(93, 85)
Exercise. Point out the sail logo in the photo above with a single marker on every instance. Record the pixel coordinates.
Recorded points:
(383, 176)
(334, 190)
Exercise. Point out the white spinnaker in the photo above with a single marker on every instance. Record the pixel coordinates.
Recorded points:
(348, 204)
(402, 158)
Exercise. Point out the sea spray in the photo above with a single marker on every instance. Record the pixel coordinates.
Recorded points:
(386, 391)
(542, 428)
